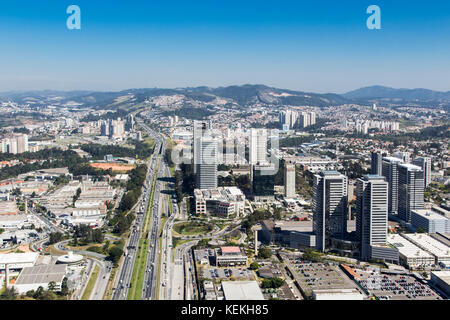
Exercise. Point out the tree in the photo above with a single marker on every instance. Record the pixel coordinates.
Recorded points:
(114, 254)
(254, 266)
(52, 285)
(264, 253)
(64, 287)
(55, 237)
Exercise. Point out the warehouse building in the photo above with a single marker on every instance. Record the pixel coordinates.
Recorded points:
(439, 250)
(242, 290)
(410, 255)
(18, 261)
(441, 279)
(337, 294)
(40, 276)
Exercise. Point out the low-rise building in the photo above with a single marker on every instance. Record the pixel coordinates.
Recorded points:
(439, 250)
(430, 221)
(337, 294)
(242, 290)
(230, 256)
(441, 279)
(222, 201)
(40, 276)
(8, 208)
(410, 255)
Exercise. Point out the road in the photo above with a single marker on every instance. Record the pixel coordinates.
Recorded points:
(123, 282)
(126, 269)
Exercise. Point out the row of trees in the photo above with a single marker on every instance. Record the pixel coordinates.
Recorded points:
(83, 235)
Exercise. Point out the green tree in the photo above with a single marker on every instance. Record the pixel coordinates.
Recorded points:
(52, 285)
(254, 266)
(264, 253)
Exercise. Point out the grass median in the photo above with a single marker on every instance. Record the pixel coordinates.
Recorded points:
(91, 283)
(138, 276)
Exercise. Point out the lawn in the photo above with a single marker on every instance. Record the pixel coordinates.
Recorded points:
(137, 279)
(192, 228)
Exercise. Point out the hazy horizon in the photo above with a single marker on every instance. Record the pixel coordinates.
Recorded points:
(321, 46)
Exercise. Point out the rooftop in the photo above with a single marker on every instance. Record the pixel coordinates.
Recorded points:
(242, 290)
(230, 249)
(407, 248)
(42, 274)
(429, 214)
(429, 244)
(15, 258)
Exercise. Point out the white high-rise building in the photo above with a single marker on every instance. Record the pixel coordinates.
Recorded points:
(207, 167)
(425, 164)
(258, 146)
(289, 180)
(14, 143)
(200, 129)
(371, 213)
(329, 207)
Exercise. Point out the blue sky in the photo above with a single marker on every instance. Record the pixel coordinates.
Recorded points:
(318, 46)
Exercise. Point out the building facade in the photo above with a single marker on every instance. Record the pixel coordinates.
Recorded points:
(329, 207)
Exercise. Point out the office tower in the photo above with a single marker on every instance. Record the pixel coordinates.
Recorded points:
(329, 207)
(104, 128)
(289, 180)
(425, 164)
(116, 128)
(129, 124)
(312, 118)
(410, 190)
(200, 129)
(371, 212)
(288, 118)
(375, 164)
(263, 182)
(207, 167)
(258, 147)
(304, 120)
(404, 156)
(390, 172)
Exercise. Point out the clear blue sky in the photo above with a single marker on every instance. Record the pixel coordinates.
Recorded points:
(319, 46)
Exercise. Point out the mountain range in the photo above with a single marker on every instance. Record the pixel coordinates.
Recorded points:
(238, 96)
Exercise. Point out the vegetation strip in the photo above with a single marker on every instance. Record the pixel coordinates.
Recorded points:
(91, 283)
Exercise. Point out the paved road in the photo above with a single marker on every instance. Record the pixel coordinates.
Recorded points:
(123, 283)
(126, 269)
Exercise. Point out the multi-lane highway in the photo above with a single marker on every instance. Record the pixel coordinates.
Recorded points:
(123, 281)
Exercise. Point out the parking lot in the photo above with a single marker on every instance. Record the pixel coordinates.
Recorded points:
(395, 287)
(226, 273)
(205, 260)
(313, 275)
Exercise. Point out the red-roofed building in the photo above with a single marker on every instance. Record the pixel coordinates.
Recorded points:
(230, 256)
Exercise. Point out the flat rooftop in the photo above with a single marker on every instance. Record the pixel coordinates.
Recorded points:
(429, 214)
(18, 258)
(242, 290)
(406, 247)
(230, 249)
(429, 244)
(42, 274)
(443, 275)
